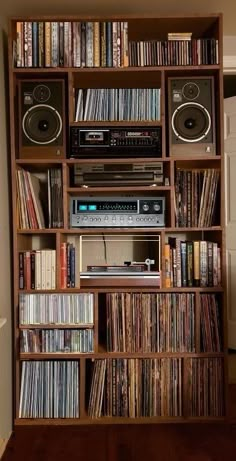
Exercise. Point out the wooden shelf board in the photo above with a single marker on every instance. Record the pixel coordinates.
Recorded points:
(37, 231)
(115, 420)
(72, 161)
(118, 230)
(147, 160)
(193, 229)
(113, 355)
(101, 70)
(58, 326)
(117, 123)
(133, 189)
(107, 289)
(191, 157)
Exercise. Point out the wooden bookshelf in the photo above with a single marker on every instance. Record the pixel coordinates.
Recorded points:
(205, 305)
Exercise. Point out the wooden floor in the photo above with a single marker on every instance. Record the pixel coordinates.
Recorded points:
(186, 442)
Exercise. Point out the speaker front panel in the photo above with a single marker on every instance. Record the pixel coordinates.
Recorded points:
(191, 116)
(41, 119)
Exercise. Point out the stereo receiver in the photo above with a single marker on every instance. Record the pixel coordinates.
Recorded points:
(115, 142)
(126, 174)
(117, 212)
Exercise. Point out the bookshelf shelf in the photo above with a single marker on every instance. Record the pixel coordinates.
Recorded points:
(135, 69)
(56, 326)
(113, 420)
(117, 355)
(102, 70)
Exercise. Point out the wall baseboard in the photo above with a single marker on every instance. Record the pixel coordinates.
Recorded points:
(3, 444)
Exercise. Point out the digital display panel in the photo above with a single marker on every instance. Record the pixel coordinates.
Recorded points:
(92, 207)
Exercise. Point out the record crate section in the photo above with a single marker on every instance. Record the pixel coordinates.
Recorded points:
(39, 196)
(154, 388)
(118, 219)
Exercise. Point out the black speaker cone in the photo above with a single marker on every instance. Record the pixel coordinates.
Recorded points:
(191, 122)
(42, 124)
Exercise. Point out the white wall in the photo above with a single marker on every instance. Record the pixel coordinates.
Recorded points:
(5, 256)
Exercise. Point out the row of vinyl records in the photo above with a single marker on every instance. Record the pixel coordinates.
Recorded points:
(195, 197)
(118, 104)
(63, 308)
(71, 44)
(38, 207)
(129, 388)
(102, 44)
(128, 322)
(193, 52)
(36, 341)
(192, 263)
(163, 322)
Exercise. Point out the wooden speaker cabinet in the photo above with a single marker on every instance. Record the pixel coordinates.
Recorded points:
(191, 116)
(41, 118)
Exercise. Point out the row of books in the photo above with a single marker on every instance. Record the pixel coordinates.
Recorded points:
(39, 202)
(195, 52)
(136, 387)
(205, 387)
(36, 341)
(71, 44)
(103, 44)
(118, 104)
(192, 263)
(195, 197)
(140, 322)
(67, 268)
(37, 270)
(56, 308)
(49, 389)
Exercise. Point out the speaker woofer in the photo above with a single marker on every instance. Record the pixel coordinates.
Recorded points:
(191, 122)
(42, 124)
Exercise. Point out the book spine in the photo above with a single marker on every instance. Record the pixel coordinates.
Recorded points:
(183, 253)
(167, 266)
(41, 51)
(21, 271)
(190, 264)
(196, 263)
(32, 269)
(47, 43)
(63, 261)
